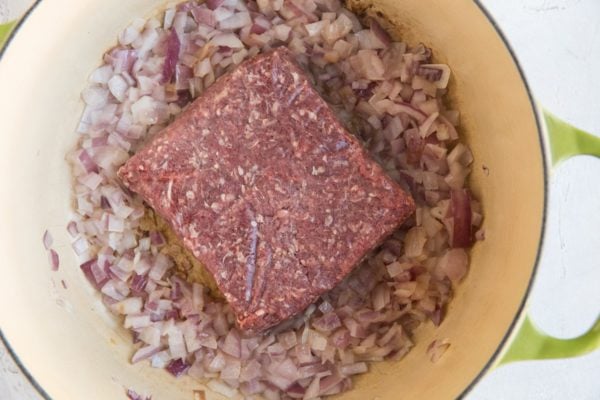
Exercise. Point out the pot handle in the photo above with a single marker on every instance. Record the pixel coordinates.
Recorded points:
(5, 30)
(567, 141)
(530, 343)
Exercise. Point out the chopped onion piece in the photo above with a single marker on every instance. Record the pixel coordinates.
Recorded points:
(80, 245)
(236, 21)
(444, 77)
(118, 87)
(352, 369)
(137, 321)
(144, 353)
(437, 348)
(95, 96)
(177, 367)
(461, 212)
(133, 395)
(101, 74)
(453, 264)
(47, 239)
(228, 40)
(54, 260)
(129, 305)
(172, 57)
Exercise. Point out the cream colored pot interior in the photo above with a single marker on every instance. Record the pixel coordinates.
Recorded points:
(72, 345)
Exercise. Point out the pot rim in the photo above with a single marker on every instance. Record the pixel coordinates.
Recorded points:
(546, 163)
(544, 149)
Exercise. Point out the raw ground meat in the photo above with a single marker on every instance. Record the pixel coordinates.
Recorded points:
(268, 189)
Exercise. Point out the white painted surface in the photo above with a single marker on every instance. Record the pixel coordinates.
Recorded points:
(558, 45)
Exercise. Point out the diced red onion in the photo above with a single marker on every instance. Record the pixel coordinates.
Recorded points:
(460, 154)
(287, 340)
(380, 33)
(480, 234)
(72, 229)
(92, 180)
(133, 395)
(197, 296)
(260, 25)
(232, 369)
(122, 60)
(145, 353)
(137, 321)
(172, 56)
(437, 348)
(47, 240)
(414, 242)
(87, 162)
(425, 127)
(53, 259)
(222, 13)
(315, 28)
(213, 4)
(113, 290)
(87, 270)
(208, 340)
(168, 18)
(236, 21)
(147, 41)
(438, 73)
(177, 367)
(383, 89)
(352, 369)
(95, 96)
(228, 40)
(461, 213)
(217, 363)
(129, 305)
(368, 64)
(282, 32)
(151, 335)
(329, 382)
(80, 245)
(281, 382)
(205, 16)
(118, 87)
(327, 323)
(156, 238)
(367, 39)
(232, 344)
(119, 273)
(176, 343)
(453, 264)
(161, 265)
(251, 371)
(101, 74)
(317, 341)
(160, 359)
(397, 108)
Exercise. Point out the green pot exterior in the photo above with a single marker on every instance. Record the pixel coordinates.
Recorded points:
(529, 343)
(5, 30)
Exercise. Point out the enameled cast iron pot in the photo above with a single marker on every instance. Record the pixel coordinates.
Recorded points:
(72, 348)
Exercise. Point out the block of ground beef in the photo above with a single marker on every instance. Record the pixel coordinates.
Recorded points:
(267, 189)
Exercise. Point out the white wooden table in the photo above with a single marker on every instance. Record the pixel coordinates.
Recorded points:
(558, 45)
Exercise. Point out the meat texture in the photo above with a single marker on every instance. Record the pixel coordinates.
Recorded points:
(267, 189)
